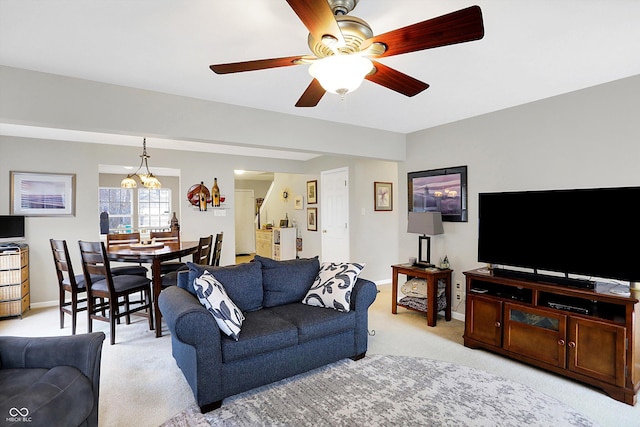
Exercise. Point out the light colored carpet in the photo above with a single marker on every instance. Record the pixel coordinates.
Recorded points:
(389, 391)
(143, 387)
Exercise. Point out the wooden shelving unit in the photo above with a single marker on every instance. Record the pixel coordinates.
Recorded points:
(276, 243)
(14, 280)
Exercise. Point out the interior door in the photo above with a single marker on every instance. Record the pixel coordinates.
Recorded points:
(334, 215)
(244, 219)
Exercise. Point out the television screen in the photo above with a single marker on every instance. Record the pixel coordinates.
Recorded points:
(11, 228)
(442, 190)
(587, 232)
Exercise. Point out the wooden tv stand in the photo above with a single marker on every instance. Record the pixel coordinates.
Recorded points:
(586, 335)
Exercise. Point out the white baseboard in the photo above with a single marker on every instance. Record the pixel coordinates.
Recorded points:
(44, 304)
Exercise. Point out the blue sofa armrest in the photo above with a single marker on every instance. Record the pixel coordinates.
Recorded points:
(363, 294)
(196, 344)
(187, 319)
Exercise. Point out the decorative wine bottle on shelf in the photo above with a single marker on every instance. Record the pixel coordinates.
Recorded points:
(215, 193)
(202, 196)
(175, 225)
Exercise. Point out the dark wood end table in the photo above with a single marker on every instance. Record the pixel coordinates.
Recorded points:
(432, 276)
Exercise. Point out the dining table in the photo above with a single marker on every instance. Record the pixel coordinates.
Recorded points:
(154, 255)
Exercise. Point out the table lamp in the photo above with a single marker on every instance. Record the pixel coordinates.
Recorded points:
(425, 223)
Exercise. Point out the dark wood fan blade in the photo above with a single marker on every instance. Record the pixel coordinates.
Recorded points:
(312, 95)
(260, 64)
(395, 80)
(317, 16)
(456, 27)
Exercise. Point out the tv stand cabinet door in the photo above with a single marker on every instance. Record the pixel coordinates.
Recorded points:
(536, 334)
(484, 320)
(598, 350)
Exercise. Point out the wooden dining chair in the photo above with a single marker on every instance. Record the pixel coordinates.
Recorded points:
(217, 250)
(115, 239)
(69, 285)
(109, 299)
(167, 237)
(201, 256)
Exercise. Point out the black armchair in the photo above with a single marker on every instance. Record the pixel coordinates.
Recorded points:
(50, 380)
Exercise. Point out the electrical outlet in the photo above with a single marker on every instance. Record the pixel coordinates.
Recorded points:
(458, 291)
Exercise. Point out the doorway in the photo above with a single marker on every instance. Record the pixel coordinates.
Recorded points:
(334, 215)
(249, 186)
(244, 222)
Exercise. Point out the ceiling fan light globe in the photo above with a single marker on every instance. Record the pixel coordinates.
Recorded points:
(341, 74)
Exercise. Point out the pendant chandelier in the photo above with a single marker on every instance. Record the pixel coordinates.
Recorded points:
(147, 179)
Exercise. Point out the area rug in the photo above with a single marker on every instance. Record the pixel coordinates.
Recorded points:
(388, 391)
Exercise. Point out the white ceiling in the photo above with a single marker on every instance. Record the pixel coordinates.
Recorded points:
(531, 50)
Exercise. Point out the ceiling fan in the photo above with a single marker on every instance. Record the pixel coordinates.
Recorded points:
(342, 44)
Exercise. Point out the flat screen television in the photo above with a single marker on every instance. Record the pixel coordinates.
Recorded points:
(592, 233)
(11, 228)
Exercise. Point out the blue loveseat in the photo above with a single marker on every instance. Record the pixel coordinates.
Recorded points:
(280, 336)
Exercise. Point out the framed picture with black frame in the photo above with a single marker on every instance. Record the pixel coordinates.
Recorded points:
(312, 219)
(443, 190)
(312, 192)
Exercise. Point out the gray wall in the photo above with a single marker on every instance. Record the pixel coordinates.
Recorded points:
(34, 155)
(45, 100)
(583, 139)
(589, 138)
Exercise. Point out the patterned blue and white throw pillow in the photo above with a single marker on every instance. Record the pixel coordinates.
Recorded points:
(332, 287)
(214, 298)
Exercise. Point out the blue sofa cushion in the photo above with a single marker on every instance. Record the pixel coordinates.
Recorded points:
(287, 281)
(242, 282)
(316, 322)
(262, 332)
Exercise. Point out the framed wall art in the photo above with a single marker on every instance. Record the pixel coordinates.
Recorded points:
(312, 192)
(383, 196)
(43, 194)
(443, 190)
(312, 219)
(298, 202)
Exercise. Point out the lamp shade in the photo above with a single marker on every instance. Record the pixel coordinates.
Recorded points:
(429, 223)
(128, 182)
(341, 73)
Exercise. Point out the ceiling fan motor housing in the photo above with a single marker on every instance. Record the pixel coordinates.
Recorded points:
(354, 30)
(342, 7)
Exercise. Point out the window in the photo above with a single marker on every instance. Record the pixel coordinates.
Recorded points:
(118, 203)
(154, 208)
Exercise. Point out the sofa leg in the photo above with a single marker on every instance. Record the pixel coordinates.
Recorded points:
(211, 406)
(358, 356)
